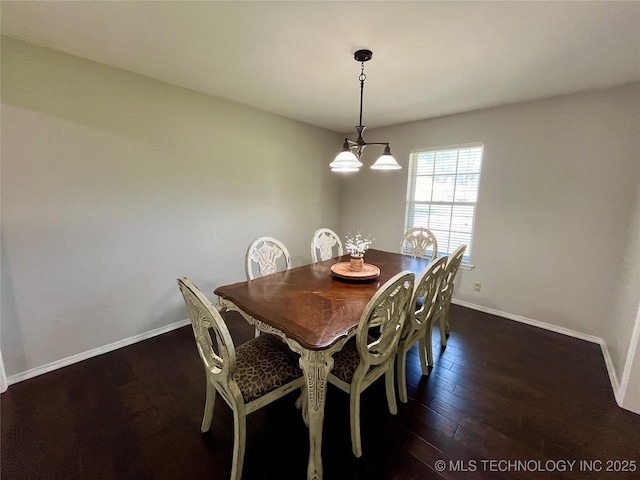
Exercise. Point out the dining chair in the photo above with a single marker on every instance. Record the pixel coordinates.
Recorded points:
(269, 255)
(418, 325)
(323, 242)
(248, 377)
(419, 242)
(446, 292)
(266, 253)
(372, 353)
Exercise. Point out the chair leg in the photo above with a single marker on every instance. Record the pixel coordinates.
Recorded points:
(299, 399)
(239, 434)
(301, 403)
(401, 367)
(209, 403)
(356, 443)
(425, 348)
(443, 329)
(446, 320)
(391, 390)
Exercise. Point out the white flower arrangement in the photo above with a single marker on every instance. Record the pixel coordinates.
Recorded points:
(357, 245)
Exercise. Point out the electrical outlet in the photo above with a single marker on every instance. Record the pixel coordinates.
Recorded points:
(477, 286)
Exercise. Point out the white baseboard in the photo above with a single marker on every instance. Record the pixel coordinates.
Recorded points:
(34, 372)
(634, 349)
(554, 328)
(3, 377)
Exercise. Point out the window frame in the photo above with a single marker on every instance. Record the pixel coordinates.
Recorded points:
(409, 217)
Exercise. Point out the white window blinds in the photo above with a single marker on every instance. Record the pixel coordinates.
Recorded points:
(442, 193)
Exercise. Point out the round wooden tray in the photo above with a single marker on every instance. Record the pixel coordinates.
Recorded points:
(343, 270)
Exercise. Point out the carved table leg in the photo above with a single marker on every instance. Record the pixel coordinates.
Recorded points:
(316, 366)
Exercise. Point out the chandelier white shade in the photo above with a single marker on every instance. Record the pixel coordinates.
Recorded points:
(386, 161)
(348, 160)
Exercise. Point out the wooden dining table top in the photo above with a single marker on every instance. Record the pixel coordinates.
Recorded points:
(309, 304)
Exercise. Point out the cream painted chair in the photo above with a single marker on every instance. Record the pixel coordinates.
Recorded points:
(372, 353)
(323, 242)
(419, 242)
(446, 292)
(265, 255)
(417, 327)
(269, 255)
(248, 377)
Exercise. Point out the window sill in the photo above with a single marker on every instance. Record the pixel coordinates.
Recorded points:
(467, 266)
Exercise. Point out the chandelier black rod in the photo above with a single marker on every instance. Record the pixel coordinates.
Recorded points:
(362, 79)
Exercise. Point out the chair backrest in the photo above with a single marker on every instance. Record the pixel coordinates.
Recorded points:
(266, 252)
(323, 242)
(425, 296)
(218, 352)
(382, 320)
(420, 241)
(450, 271)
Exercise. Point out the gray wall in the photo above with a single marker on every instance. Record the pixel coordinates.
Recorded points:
(554, 240)
(114, 185)
(624, 307)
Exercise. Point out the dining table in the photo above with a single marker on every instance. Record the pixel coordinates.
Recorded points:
(315, 310)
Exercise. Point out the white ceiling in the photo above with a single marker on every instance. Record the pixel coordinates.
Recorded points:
(296, 58)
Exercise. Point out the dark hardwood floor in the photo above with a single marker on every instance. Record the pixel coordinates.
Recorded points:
(500, 392)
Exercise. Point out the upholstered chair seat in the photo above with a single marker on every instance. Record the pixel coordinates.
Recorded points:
(346, 361)
(263, 365)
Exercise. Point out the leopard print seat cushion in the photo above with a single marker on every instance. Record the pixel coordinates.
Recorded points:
(264, 364)
(346, 361)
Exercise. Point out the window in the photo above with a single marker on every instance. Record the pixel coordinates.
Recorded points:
(442, 193)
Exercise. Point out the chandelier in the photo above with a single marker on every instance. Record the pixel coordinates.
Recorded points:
(348, 160)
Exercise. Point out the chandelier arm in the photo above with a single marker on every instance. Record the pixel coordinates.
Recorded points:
(354, 143)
